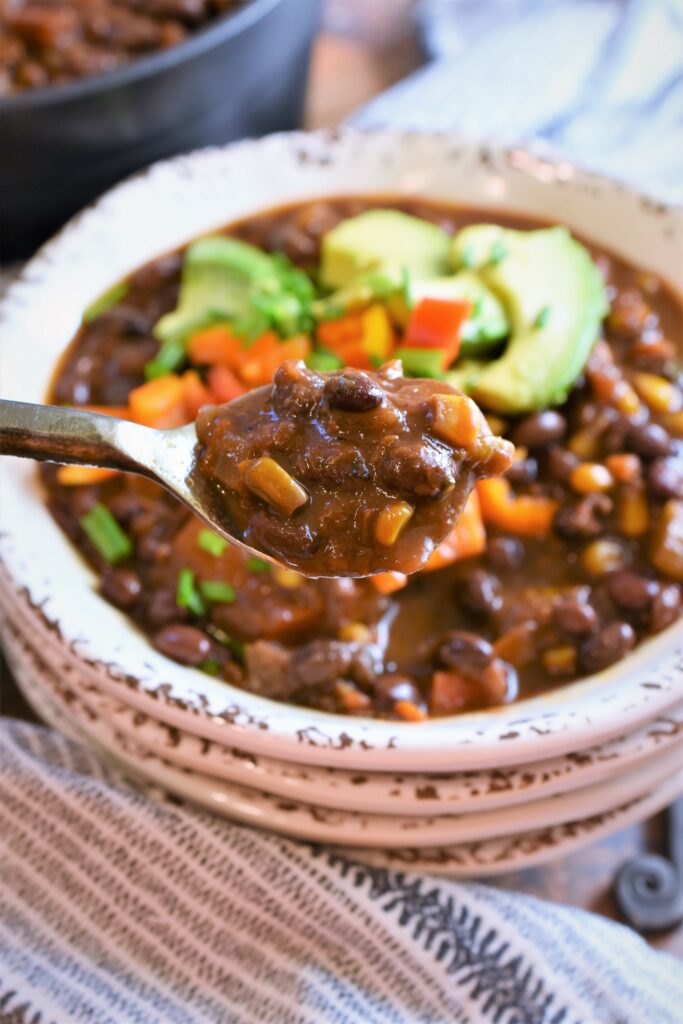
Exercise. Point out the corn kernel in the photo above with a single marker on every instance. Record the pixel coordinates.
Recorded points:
(287, 578)
(497, 424)
(633, 513)
(603, 556)
(560, 660)
(583, 444)
(658, 392)
(409, 711)
(624, 467)
(351, 698)
(673, 422)
(355, 632)
(591, 477)
(625, 399)
(391, 521)
(267, 479)
(456, 419)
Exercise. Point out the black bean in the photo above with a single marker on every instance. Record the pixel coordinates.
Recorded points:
(631, 591)
(505, 553)
(152, 549)
(465, 651)
(581, 519)
(281, 537)
(416, 468)
(607, 646)
(353, 391)
(650, 440)
(121, 586)
(522, 471)
(540, 430)
(575, 616)
(665, 478)
(561, 463)
(185, 644)
(162, 608)
(500, 681)
(666, 607)
(321, 662)
(481, 593)
(391, 687)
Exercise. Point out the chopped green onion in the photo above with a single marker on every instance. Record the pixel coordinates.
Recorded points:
(421, 362)
(406, 287)
(322, 359)
(258, 565)
(105, 301)
(187, 595)
(233, 645)
(542, 318)
(217, 591)
(170, 357)
(211, 542)
(105, 534)
(211, 667)
(498, 252)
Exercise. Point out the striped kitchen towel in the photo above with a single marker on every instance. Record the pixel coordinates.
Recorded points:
(598, 81)
(118, 909)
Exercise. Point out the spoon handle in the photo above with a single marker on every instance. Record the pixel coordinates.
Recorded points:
(51, 433)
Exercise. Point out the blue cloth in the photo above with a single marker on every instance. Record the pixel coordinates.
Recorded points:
(597, 81)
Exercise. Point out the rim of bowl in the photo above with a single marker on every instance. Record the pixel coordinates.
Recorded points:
(209, 36)
(547, 720)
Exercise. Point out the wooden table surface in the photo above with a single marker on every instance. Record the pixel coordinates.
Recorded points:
(363, 47)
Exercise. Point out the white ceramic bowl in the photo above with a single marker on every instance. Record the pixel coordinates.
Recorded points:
(170, 204)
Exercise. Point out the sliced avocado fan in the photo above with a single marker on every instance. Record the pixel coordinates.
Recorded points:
(554, 298)
(380, 240)
(218, 278)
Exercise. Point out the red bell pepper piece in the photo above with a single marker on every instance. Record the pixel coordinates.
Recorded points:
(437, 323)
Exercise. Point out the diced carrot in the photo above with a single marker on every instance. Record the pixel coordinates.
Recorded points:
(355, 354)
(159, 403)
(263, 362)
(346, 329)
(216, 345)
(389, 582)
(466, 539)
(224, 385)
(527, 515)
(409, 711)
(81, 476)
(196, 394)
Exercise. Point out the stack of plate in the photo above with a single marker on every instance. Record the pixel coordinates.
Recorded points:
(475, 795)
(472, 795)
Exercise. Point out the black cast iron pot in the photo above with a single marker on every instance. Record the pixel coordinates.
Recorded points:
(243, 75)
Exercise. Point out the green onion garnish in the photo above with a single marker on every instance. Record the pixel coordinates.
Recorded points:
(186, 595)
(170, 356)
(235, 646)
(542, 318)
(211, 542)
(217, 591)
(322, 359)
(105, 534)
(210, 666)
(258, 565)
(105, 301)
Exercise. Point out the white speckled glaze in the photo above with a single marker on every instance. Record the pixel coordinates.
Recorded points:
(179, 199)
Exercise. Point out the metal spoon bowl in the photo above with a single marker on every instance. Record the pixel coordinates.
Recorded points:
(50, 433)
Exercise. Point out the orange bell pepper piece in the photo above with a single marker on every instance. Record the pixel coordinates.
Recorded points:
(159, 403)
(216, 345)
(527, 515)
(196, 394)
(466, 539)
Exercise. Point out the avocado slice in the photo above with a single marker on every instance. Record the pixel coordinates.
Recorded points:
(487, 324)
(218, 279)
(380, 239)
(554, 297)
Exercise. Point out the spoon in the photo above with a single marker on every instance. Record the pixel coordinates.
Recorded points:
(50, 433)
